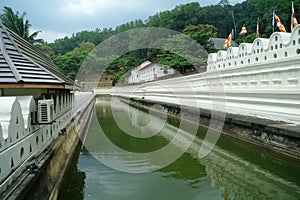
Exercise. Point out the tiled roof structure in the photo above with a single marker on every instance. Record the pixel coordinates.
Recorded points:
(23, 63)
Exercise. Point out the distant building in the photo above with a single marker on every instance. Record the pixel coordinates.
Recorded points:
(218, 43)
(148, 71)
(106, 80)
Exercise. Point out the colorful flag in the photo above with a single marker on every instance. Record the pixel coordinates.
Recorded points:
(227, 42)
(277, 21)
(244, 30)
(293, 18)
(257, 28)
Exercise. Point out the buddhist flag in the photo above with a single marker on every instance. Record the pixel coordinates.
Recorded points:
(277, 21)
(244, 30)
(257, 28)
(293, 18)
(227, 42)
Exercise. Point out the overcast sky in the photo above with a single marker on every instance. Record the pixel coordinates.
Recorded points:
(59, 18)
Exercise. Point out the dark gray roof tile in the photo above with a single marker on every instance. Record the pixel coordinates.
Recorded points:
(21, 61)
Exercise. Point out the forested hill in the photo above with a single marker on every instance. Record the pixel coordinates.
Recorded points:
(181, 18)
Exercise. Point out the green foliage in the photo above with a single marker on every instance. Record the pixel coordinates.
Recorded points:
(182, 53)
(19, 25)
(201, 34)
(47, 50)
(199, 23)
(85, 47)
(126, 62)
(178, 18)
(70, 62)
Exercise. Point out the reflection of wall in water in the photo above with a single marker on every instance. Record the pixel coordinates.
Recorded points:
(240, 179)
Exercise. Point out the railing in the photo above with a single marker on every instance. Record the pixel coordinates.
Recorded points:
(281, 47)
(261, 79)
(104, 91)
(270, 91)
(21, 137)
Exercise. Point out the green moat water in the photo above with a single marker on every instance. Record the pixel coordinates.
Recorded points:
(233, 170)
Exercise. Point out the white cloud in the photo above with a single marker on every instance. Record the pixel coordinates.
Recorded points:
(58, 18)
(50, 36)
(97, 7)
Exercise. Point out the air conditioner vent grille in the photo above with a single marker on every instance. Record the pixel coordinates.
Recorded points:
(45, 111)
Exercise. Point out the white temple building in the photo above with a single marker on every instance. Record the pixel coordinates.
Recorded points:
(148, 71)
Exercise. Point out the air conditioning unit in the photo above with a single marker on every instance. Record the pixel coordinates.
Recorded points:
(45, 111)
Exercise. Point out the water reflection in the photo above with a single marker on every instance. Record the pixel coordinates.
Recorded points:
(233, 170)
(75, 186)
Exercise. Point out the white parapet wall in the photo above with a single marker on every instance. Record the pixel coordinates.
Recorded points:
(258, 80)
(22, 138)
(103, 91)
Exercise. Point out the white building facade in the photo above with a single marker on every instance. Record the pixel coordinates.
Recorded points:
(148, 71)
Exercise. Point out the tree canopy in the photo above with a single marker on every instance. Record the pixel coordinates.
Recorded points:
(199, 23)
(16, 22)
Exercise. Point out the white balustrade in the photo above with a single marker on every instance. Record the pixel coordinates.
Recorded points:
(20, 139)
(260, 80)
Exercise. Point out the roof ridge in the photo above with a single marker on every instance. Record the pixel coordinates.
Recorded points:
(10, 63)
(9, 32)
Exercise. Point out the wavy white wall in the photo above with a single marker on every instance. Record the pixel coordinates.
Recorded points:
(20, 139)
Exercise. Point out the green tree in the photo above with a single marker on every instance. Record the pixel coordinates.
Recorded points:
(182, 54)
(202, 33)
(47, 50)
(70, 62)
(19, 25)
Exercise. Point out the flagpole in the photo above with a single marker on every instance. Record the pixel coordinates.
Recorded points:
(273, 21)
(234, 22)
(257, 28)
(292, 17)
